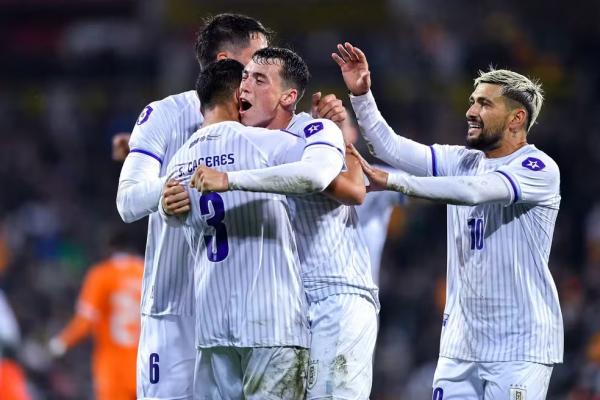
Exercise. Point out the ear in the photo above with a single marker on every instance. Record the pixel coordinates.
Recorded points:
(222, 55)
(518, 118)
(289, 98)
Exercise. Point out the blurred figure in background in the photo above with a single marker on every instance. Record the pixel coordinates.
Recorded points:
(108, 308)
(13, 384)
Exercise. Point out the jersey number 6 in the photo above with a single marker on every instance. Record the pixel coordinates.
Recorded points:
(217, 247)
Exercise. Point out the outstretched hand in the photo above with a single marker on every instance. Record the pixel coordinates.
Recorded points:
(355, 68)
(377, 178)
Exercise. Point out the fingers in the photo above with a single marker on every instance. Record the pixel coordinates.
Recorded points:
(316, 98)
(344, 53)
(360, 56)
(337, 114)
(338, 60)
(364, 164)
(331, 108)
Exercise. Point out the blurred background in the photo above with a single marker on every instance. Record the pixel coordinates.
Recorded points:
(75, 72)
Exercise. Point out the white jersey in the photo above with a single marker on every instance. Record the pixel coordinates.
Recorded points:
(161, 129)
(247, 273)
(332, 249)
(501, 301)
(374, 217)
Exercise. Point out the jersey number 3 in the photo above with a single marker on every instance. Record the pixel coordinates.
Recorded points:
(217, 247)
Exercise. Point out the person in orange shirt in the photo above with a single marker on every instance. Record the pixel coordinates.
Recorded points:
(108, 308)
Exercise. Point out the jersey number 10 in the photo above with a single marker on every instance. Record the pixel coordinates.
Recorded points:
(476, 229)
(217, 247)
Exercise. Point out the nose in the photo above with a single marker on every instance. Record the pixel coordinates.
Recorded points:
(472, 111)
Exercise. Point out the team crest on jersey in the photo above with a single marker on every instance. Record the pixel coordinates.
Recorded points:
(313, 370)
(144, 115)
(534, 164)
(517, 393)
(313, 128)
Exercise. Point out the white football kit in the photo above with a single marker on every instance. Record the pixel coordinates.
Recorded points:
(374, 217)
(336, 270)
(248, 287)
(167, 328)
(502, 322)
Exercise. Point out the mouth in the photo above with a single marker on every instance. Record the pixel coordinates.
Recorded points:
(245, 105)
(474, 127)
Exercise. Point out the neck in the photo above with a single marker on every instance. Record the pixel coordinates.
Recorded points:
(281, 120)
(220, 113)
(510, 144)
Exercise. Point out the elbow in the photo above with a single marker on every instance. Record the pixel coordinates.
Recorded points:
(315, 181)
(126, 216)
(356, 196)
(317, 185)
(472, 199)
(359, 196)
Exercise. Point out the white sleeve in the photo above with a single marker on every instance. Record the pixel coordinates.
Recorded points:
(9, 328)
(151, 132)
(459, 190)
(140, 187)
(534, 180)
(322, 160)
(400, 152)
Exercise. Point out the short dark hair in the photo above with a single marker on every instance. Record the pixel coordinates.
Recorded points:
(224, 30)
(294, 70)
(218, 81)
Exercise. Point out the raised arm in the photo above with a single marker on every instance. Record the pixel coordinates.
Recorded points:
(384, 143)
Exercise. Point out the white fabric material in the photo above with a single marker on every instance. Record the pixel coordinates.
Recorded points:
(139, 187)
(246, 267)
(344, 331)
(166, 358)
(459, 190)
(331, 246)
(513, 380)
(163, 126)
(260, 373)
(9, 328)
(385, 144)
(321, 162)
(501, 300)
(374, 217)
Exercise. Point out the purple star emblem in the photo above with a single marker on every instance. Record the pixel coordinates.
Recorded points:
(534, 164)
(313, 128)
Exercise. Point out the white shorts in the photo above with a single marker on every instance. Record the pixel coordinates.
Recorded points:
(253, 373)
(509, 380)
(166, 358)
(344, 331)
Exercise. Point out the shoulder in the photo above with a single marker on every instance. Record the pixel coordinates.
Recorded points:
(314, 126)
(170, 107)
(534, 160)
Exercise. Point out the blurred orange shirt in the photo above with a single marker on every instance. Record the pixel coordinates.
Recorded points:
(109, 308)
(13, 384)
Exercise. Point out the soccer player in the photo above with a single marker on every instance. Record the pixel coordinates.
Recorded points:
(166, 354)
(252, 328)
(108, 308)
(336, 271)
(502, 328)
